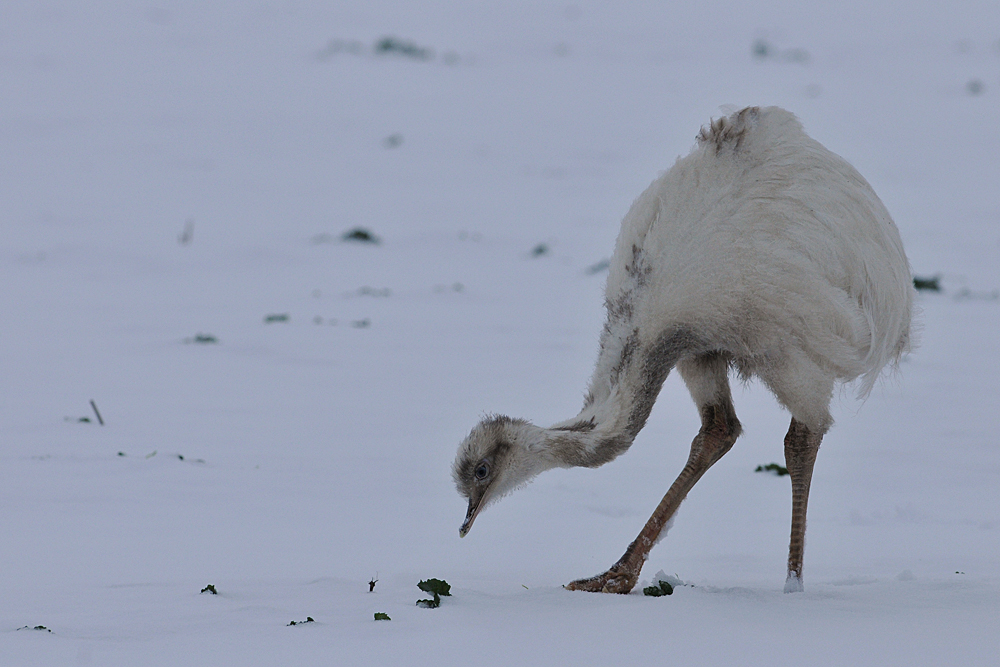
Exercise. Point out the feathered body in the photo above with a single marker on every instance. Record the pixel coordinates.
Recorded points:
(760, 251)
(763, 244)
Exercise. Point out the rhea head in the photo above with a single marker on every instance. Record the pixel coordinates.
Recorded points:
(498, 456)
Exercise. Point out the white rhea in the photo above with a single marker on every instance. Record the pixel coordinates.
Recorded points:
(760, 252)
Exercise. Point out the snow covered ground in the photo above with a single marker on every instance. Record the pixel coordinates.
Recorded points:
(290, 462)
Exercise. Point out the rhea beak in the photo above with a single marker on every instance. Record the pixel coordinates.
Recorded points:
(476, 504)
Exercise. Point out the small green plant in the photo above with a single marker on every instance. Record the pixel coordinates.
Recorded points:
(380, 616)
(780, 471)
(202, 339)
(210, 589)
(658, 588)
(279, 317)
(309, 619)
(931, 284)
(436, 587)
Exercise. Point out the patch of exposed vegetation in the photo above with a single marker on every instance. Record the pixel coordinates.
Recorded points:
(598, 267)
(361, 235)
(277, 317)
(401, 47)
(658, 588)
(40, 628)
(778, 470)
(374, 291)
(309, 619)
(385, 46)
(931, 284)
(210, 589)
(764, 50)
(381, 616)
(437, 588)
(202, 339)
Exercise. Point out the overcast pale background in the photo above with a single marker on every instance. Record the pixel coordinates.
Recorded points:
(184, 168)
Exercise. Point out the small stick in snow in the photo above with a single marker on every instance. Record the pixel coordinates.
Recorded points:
(94, 405)
(371, 584)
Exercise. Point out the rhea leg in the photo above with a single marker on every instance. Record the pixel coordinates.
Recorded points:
(805, 389)
(801, 445)
(719, 430)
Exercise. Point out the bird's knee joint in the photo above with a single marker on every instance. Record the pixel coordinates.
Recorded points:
(719, 423)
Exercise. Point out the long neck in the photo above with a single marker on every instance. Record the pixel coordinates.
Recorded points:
(612, 417)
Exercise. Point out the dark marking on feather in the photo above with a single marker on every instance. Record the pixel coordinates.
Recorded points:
(729, 131)
(581, 426)
(639, 269)
(657, 362)
(629, 347)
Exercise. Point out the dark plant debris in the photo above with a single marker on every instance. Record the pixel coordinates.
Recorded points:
(40, 628)
(380, 616)
(94, 406)
(210, 589)
(762, 50)
(540, 250)
(598, 267)
(927, 284)
(658, 588)
(187, 236)
(371, 584)
(202, 339)
(966, 294)
(309, 619)
(385, 46)
(374, 291)
(437, 587)
(361, 235)
(780, 471)
(396, 46)
(277, 317)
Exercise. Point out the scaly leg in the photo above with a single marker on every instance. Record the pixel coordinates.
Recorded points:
(719, 431)
(801, 446)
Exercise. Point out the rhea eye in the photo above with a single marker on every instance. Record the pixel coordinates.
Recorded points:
(482, 471)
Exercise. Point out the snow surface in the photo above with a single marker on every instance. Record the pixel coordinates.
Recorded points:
(316, 452)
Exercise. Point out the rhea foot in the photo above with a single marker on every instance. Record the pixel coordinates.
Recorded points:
(619, 579)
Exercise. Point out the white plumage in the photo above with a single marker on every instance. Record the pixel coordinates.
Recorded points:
(760, 252)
